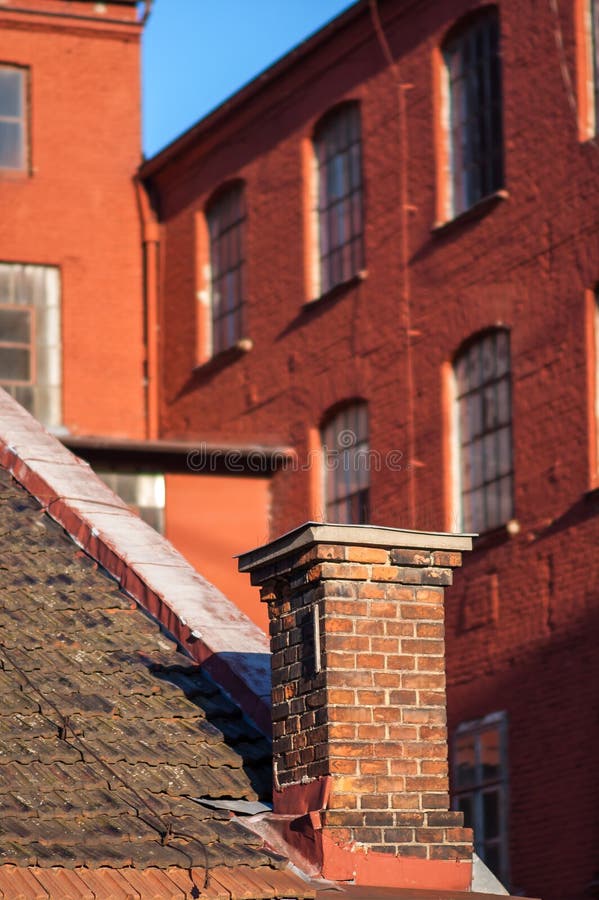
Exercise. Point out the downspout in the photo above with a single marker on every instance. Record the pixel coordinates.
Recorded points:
(406, 295)
(150, 235)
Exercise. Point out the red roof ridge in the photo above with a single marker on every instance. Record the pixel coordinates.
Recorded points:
(209, 625)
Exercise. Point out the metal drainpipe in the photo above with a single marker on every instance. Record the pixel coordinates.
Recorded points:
(150, 243)
(405, 209)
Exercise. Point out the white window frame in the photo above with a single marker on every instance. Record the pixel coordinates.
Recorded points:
(493, 722)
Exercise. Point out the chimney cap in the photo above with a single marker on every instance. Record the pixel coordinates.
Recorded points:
(311, 533)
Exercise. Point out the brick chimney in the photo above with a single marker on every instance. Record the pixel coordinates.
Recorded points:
(359, 704)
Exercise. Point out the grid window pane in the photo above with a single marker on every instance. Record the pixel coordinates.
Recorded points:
(346, 463)
(143, 492)
(30, 324)
(482, 375)
(338, 151)
(226, 225)
(479, 762)
(475, 131)
(12, 118)
(15, 365)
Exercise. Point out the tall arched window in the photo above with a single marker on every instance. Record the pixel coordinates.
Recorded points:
(475, 131)
(338, 152)
(226, 218)
(484, 432)
(346, 473)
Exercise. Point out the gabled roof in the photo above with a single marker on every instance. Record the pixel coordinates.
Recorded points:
(108, 731)
(211, 627)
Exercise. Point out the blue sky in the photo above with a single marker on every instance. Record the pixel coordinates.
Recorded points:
(198, 52)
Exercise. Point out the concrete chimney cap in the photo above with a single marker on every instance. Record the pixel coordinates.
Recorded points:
(355, 535)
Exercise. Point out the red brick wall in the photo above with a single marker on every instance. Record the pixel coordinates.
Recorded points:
(526, 643)
(77, 208)
(360, 697)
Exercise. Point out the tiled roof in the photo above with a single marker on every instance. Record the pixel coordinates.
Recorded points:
(209, 625)
(107, 732)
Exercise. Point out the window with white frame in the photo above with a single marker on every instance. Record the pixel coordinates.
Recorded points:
(483, 426)
(475, 131)
(480, 787)
(339, 210)
(143, 492)
(344, 439)
(13, 118)
(30, 339)
(226, 219)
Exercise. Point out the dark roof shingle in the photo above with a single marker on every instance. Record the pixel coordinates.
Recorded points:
(106, 730)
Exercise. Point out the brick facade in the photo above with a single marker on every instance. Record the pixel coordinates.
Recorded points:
(522, 619)
(75, 206)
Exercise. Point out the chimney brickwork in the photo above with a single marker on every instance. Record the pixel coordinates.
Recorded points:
(358, 692)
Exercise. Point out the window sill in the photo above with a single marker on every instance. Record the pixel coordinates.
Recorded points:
(339, 288)
(224, 357)
(15, 174)
(480, 209)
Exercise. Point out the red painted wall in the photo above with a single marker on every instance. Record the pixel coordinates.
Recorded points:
(77, 208)
(527, 263)
(212, 518)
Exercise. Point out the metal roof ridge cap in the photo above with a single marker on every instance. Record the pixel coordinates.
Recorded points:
(368, 535)
(150, 592)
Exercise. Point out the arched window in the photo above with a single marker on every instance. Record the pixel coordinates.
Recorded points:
(475, 131)
(338, 152)
(484, 432)
(226, 218)
(346, 473)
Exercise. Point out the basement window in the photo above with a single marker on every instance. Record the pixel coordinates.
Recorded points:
(143, 492)
(13, 126)
(480, 787)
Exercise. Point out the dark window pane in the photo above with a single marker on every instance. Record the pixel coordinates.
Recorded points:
(465, 805)
(11, 92)
(11, 145)
(15, 326)
(491, 856)
(465, 761)
(491, 801)
(15, 364)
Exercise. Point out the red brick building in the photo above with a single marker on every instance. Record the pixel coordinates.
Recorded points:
(383, 253)
(78, 252)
